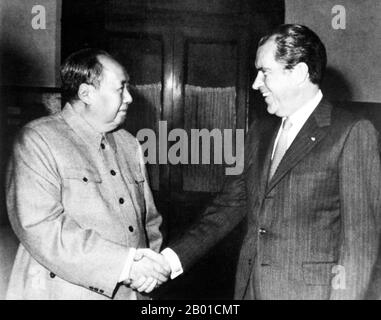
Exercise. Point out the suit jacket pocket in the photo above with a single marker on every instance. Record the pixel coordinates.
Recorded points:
(137, 190)
(83, 190)
(318, 273)
(83, 174)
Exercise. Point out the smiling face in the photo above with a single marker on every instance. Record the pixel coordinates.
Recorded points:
(274, 81)
(109, 102)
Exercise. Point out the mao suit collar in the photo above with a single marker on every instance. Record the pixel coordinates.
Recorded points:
(85, 131)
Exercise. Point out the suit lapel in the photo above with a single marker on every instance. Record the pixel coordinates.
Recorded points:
(309, 136)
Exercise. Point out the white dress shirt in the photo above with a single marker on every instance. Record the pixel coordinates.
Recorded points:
(298, 119)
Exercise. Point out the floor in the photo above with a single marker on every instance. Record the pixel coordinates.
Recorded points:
(8, 247)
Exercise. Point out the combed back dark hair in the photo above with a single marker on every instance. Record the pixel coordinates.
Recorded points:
(296, 43)
(80, 67)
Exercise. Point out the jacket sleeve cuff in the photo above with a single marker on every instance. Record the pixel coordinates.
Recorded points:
(174, 262)
(124, 276)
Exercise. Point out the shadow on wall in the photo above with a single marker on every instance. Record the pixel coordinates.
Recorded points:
(338, 90)
(335, 86)
(21, 67)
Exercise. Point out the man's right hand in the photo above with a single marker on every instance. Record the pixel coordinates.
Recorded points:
(149, 270)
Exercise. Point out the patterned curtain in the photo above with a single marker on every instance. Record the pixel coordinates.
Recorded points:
(144, 112)
(207, 108)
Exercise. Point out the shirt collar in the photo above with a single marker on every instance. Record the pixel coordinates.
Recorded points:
(300, 116)
(109, 139)
(84, 130)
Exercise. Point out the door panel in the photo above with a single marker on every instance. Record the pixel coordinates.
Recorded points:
(209, 103)
(142, 56)
(191, 78)
(209, 67)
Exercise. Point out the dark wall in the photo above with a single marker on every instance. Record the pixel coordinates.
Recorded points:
(30, 40)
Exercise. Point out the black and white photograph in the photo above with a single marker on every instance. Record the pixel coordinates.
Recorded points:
(204, 151)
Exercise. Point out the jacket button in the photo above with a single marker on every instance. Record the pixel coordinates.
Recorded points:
(52, 275)
(85, 179)
(262, 231)
(121, 200)
(131, 228)
(101, 291)
(113, 173)
(103, 146)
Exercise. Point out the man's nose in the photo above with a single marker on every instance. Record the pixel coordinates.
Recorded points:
(127, 98)
(258, 82)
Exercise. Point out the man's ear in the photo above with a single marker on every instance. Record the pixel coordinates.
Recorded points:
(301, 73)
(85, 93)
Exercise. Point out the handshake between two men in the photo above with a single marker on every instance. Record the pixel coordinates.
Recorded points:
(149, 270)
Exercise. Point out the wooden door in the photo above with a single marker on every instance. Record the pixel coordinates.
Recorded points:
(188, 78)
(147, 57)
(189, 68)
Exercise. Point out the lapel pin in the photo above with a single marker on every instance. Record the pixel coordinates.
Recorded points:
(313, 138)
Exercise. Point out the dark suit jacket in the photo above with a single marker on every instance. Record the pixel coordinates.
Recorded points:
(312, 231)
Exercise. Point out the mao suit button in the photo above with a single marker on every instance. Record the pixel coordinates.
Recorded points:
(113, 173)
(85, 179)
(101, 291)
(103, 146)
(131, 228)
(52, 275)
(121, 200)
(262, 231)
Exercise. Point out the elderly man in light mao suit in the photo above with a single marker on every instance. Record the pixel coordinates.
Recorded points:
(78, 196)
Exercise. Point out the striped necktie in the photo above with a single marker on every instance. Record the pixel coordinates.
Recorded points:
(281, 147)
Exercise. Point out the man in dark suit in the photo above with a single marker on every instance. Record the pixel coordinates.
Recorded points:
(310, 190)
